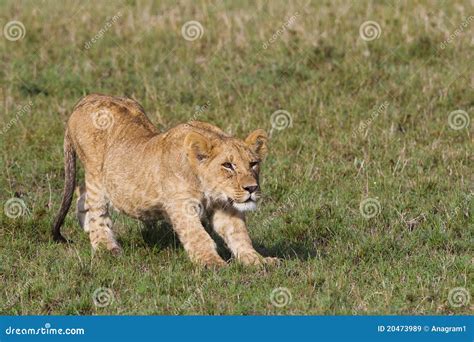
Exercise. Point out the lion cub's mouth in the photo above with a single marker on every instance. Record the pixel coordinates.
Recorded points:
(248, 205)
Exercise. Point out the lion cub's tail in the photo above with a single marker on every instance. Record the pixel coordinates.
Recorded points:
(69, 184)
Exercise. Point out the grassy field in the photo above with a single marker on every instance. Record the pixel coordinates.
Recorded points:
(367, 188)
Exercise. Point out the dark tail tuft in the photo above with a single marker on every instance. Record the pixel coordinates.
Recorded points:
(69, 185)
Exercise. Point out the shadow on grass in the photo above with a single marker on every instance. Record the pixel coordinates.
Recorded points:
(161, 235)
(287, 251)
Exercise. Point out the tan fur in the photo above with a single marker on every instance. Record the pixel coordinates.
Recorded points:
(181, 175)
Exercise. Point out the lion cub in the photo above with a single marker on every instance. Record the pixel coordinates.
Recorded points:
(193, 169)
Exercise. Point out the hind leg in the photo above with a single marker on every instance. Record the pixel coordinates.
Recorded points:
(97, 219)
(81, 208)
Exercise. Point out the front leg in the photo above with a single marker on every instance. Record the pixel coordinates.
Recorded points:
(230, 225)
(196, 241)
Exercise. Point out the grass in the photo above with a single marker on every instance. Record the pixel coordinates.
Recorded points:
(369, 120)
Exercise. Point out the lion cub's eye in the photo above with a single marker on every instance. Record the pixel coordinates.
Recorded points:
(228, 166)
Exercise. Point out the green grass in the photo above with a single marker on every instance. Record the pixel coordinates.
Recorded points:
(404, 260)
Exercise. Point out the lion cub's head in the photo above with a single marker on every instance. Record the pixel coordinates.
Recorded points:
(227, 167)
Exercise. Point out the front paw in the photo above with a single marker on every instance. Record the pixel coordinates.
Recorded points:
(251, 258)
(116, 250)
(272, 261)
(210, 261)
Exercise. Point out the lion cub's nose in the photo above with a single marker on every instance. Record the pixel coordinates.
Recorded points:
(251, 188)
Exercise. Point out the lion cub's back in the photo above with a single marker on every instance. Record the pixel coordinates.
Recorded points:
(99, 121)
(106, 111)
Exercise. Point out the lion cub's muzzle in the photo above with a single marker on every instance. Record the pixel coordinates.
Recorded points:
(249, 200)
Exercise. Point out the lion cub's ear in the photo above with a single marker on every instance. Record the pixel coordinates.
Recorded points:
(257, 141)
(198, 146)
